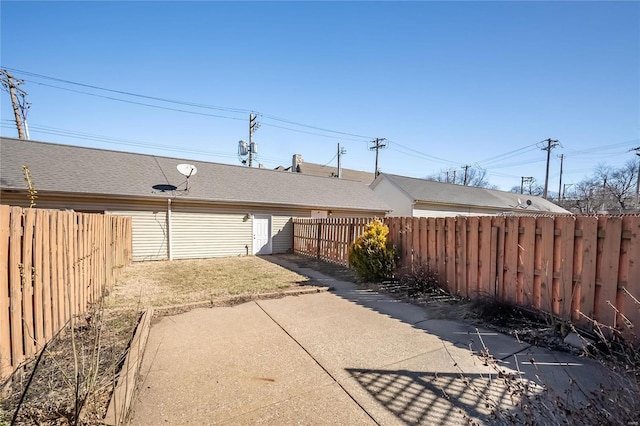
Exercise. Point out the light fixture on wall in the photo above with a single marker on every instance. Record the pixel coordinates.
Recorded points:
(247, 216)
(330, 213)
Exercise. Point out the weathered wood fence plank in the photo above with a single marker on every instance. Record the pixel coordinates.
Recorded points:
(582, 268)
(5, 324)
(526, 254)
(53, 258)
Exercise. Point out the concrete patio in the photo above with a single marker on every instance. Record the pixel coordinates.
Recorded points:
(347, 356)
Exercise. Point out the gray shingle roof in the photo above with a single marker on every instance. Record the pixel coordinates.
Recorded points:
(438, 192)
(314, 169)
(72, 169)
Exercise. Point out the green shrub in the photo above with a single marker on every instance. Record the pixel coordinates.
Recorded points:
(372, 256)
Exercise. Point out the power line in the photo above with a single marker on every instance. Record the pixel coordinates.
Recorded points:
(332, 158)
(130, 142)
(495, 162)
(516, 163)
(192, 104)
(190, 112)
(604, 147)
(423, 154)
(505, 155)
(123, 92)
(135, 103)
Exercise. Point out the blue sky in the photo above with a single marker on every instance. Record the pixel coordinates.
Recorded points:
(447, 84)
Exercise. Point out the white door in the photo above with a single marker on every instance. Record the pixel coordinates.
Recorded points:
(261, 234)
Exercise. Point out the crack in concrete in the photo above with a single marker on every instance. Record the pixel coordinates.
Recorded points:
(318, 363)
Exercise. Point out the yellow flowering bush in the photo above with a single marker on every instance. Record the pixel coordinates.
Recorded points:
(372, 256)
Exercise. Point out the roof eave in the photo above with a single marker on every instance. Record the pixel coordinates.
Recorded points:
(475, 206)
(174, 199)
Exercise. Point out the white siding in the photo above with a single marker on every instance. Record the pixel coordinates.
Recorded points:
(197, 231)
(341, 213)
(214, 233)
(429, 210)
(200, 232)
(282, 232)
(397, 199)
(149, 234)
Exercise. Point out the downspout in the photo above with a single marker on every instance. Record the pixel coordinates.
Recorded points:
(169, 239)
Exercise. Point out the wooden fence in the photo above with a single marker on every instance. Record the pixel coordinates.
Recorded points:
(327, 239)
(576, 267)
(54, 264)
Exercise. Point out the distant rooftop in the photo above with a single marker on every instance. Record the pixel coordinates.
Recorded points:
(423, 190)
(298, 165)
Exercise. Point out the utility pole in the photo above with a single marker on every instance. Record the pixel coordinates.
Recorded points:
(529, 180)
(564, 190)
(377, 145)
(551, 143)
(341, 152)
(637, 150)
(253, 126)
(466, 168)
(20, 106)
(560, 184)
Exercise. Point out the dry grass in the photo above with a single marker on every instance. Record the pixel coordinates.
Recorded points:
(187, 281)
(101, 336)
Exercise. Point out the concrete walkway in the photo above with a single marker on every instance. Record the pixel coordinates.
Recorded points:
(348, 356)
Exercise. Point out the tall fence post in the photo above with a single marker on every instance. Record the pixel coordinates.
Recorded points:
(319, 225)
(5, 331)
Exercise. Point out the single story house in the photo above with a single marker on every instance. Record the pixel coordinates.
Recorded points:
(219, 210)
(298, 165)
(425, 198)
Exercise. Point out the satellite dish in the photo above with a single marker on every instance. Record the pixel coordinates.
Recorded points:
(187, 169)
(162, 187)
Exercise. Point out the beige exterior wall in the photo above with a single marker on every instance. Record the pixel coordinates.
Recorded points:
(212, 233)
(282, 231)
(149, 233)
(431, 210)
(400, 202)
(196, 231)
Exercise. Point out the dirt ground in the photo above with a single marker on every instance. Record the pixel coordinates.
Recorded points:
(50, 387)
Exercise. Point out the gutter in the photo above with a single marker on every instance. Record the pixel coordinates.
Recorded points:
(193, 201)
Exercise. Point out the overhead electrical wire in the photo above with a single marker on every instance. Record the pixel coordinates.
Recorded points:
(134, 102)
(420, 153)
(489, 164)
(328, 162)
(191, 112)
(510, 154)
(123, 92)
(604, 147)
(192, 104)
(126, 142)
